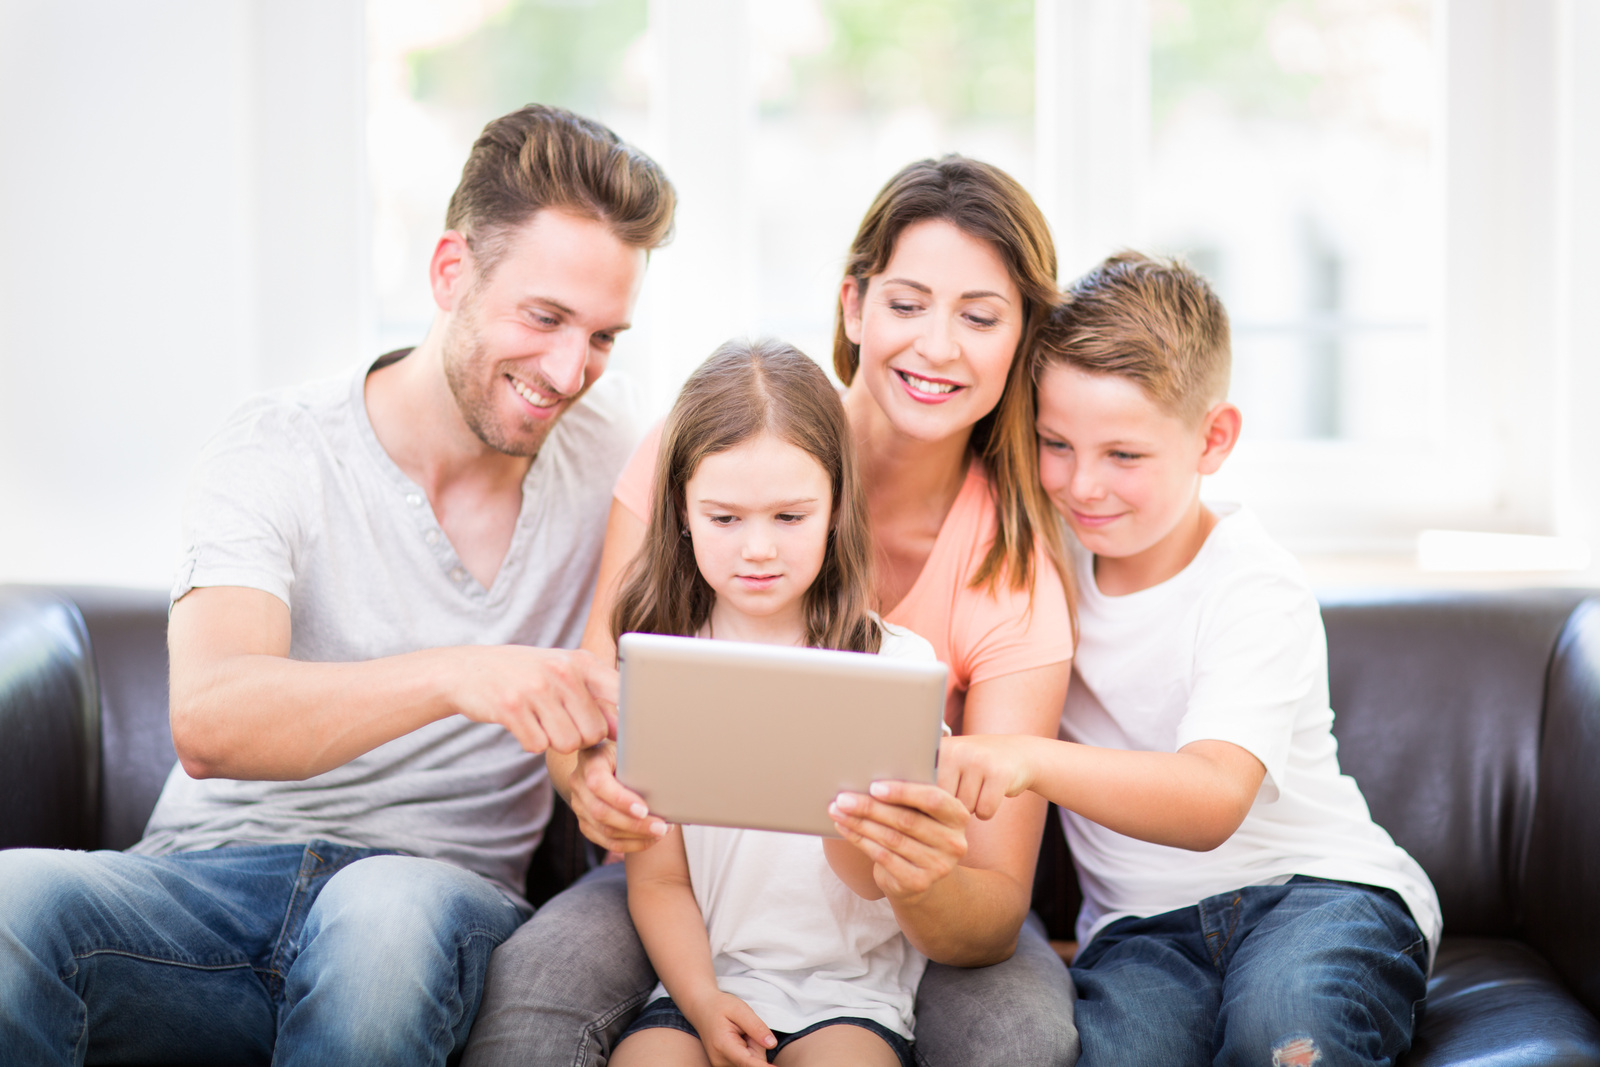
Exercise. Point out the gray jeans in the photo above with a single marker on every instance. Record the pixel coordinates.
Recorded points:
(562, 989)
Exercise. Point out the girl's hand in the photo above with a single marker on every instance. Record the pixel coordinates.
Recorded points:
(609, 813)
(732, 1033)
(915, 834)
(982, 770)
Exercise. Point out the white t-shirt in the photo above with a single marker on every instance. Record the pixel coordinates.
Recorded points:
(295, 496)
(1230, 649)
(790, 939)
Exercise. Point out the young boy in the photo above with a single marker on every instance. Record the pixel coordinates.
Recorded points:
(1239, 903)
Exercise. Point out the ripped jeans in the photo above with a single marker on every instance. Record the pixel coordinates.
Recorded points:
(1311, 972)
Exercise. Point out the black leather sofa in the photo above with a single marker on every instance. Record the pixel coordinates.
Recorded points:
(1472, 722)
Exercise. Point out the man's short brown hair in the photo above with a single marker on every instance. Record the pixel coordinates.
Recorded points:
(547, 157)
(1153, 320)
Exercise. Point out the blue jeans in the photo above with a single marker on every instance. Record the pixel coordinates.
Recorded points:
(564, 988)
(290, 954)
(1311, 971)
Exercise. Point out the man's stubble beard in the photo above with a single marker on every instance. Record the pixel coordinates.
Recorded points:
(466, 362)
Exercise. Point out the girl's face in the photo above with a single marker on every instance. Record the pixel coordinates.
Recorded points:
(759, 515)
(937, 330)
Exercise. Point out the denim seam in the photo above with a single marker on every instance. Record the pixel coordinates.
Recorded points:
(592, 1031)
(76, 956)
(302, 883)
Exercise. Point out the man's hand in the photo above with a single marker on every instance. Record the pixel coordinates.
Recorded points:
(609, 813)
(982, 770)
(547, 698)
(915, 834)
(732, 1033)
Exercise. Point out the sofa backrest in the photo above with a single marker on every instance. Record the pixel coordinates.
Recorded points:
(1438, 708)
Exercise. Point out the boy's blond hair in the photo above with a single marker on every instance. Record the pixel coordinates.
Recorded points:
(1155, 321)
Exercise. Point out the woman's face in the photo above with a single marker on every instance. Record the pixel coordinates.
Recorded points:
(937, 330)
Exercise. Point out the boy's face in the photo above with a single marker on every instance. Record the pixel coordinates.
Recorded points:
(1124, 472)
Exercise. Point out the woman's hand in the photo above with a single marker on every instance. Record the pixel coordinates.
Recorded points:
(609, 813)
(982, 770)
(915, 834)
(732, 1033)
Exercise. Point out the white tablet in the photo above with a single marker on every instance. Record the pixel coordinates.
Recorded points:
(722, 733)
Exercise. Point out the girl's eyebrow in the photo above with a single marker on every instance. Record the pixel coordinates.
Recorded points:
(774, 506)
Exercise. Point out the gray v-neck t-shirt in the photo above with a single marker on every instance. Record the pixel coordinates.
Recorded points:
(296, 497)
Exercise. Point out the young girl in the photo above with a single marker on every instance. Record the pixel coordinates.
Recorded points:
(768, 945)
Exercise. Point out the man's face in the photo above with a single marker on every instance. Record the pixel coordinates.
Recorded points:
(522, 344)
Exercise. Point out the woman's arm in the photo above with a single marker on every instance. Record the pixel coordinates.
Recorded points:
(1194, 798)
(662, 905)
(611, 815)
(961, 890)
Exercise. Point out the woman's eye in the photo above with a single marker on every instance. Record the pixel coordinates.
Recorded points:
(982, 321)
(900, 307)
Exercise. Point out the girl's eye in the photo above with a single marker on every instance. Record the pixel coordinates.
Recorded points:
(722, 520)
(790, 517)
(1055, 446)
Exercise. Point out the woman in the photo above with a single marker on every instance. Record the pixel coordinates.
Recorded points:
(949, 277)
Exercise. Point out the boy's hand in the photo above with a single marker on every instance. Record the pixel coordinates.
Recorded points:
(982, 770)
(732, 1033)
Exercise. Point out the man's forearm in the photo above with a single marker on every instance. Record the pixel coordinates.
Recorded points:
(267, 717)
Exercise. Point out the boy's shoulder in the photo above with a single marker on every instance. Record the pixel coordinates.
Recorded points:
(1242, 570)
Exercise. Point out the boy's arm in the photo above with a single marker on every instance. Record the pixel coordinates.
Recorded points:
(1194, 798)
(662, 905)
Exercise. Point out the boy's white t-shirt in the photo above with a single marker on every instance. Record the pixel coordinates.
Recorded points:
(790, 939)
(1230, 649)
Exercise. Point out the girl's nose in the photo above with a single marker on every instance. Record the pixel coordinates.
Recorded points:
(1084, 485)
(759, 546)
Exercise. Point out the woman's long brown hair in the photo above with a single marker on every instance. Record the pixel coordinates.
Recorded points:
(989, 205)
(744, 390)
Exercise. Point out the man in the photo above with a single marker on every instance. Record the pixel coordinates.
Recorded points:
(364, 639)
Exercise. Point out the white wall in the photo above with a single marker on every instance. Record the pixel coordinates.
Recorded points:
(180, 205)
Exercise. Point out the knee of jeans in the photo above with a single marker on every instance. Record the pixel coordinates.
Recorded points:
(36, 884)
(396, 907)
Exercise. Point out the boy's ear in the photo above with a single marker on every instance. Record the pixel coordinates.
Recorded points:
(1219, 432)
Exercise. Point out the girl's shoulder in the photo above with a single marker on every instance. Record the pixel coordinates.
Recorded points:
(902, 643)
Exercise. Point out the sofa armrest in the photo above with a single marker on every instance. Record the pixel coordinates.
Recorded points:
(1562, 879)
(50, 720)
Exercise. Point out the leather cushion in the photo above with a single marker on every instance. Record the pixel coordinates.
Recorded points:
(1561, 901)
(1438, 700)
(1494, 1002)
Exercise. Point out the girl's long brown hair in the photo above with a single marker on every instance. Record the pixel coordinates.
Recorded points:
(746, 389)
(985, 203)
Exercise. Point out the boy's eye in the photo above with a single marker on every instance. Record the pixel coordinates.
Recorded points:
(1126, 456)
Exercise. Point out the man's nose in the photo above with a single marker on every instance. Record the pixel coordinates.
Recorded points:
(563, 362)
